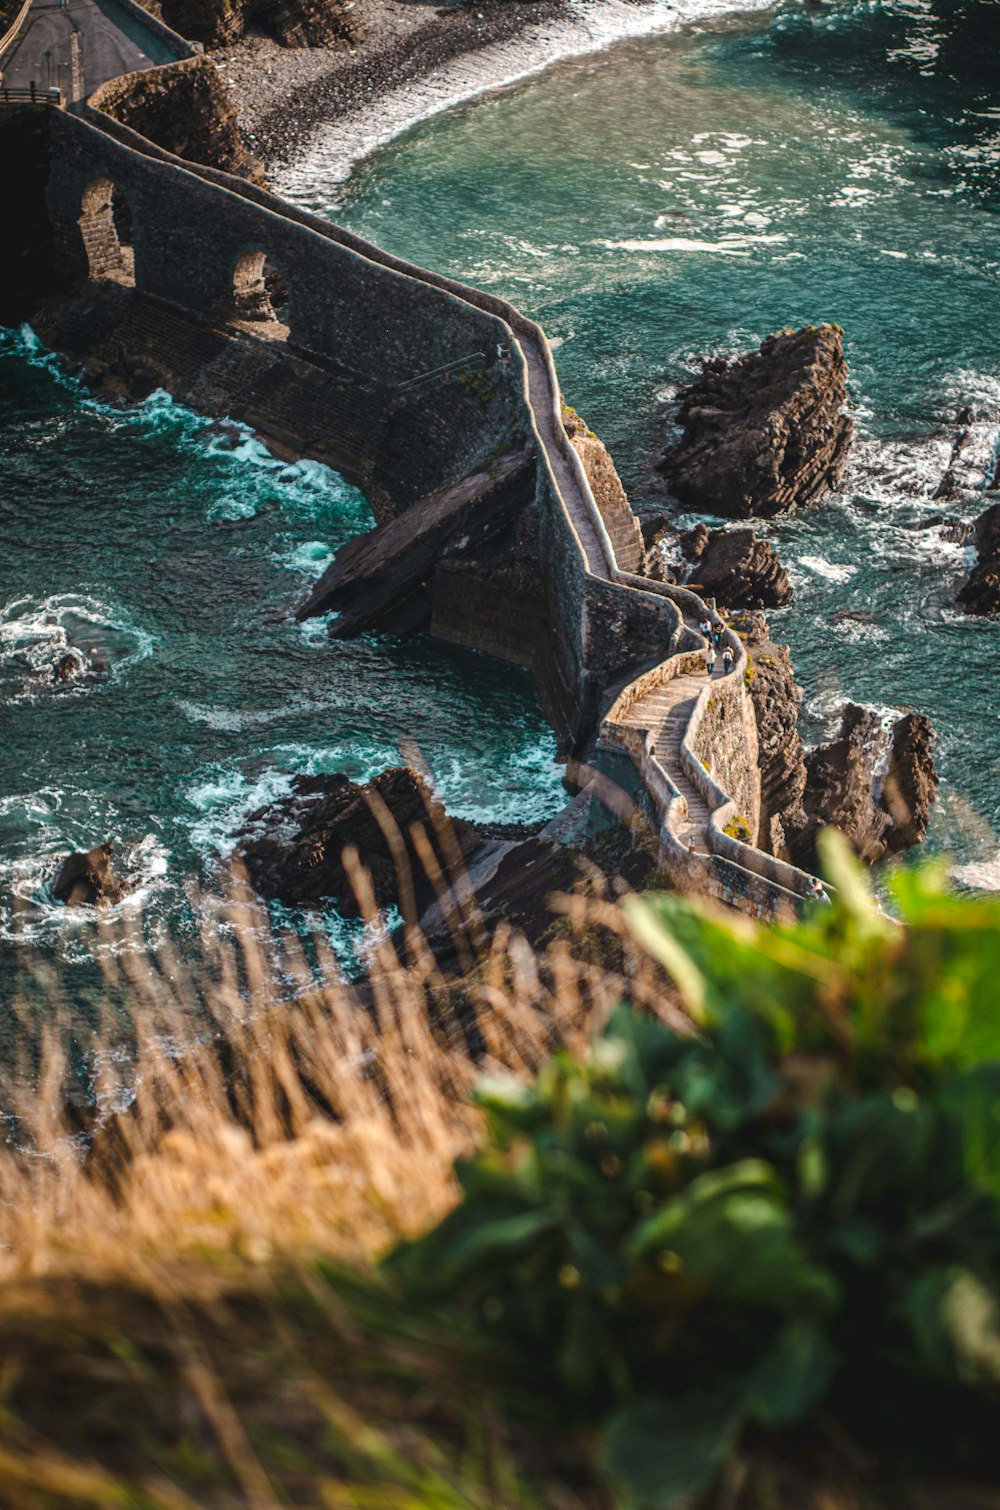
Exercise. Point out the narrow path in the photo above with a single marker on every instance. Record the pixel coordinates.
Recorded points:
(538, 388)
(666, 713)
(81, 44)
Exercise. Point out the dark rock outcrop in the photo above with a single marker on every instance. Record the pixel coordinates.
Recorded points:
(981, 591)
(67, 667)
(765, 433)
(293, 849)
(185, 109)
(87, 879)
(381, 579)
(876, 787)
(736, 568)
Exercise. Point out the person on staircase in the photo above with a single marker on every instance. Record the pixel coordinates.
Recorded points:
(710, 659)
(727, 660)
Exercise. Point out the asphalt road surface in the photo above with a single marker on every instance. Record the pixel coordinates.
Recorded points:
(80, 44)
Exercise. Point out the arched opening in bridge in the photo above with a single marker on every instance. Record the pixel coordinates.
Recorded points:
(106, 227)
(260, 296)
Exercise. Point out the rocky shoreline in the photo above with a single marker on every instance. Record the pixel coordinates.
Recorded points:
(282, 94)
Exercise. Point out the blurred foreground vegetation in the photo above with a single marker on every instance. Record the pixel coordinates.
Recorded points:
(725, 1232)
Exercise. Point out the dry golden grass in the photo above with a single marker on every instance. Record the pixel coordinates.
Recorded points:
(171, 1329)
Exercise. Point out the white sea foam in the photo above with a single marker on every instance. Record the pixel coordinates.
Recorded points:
(981, 875)
(831, 570)
(35, 634)
(592, 25)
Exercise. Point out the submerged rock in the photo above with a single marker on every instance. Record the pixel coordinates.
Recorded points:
(765, 433)
(294, 848)
(980, 593)
(86, 879)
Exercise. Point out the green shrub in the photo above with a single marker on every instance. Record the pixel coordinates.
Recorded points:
(738, 828)
(785, 1217)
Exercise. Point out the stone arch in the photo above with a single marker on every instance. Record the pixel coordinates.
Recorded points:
(260, 295)
(106, 227)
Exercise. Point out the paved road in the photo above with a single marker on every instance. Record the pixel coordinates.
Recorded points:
(83, 42)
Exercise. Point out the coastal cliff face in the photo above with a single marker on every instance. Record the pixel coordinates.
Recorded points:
(766, 433)
(609, 494)
(185, 109)
(777, 699)
(294, 23)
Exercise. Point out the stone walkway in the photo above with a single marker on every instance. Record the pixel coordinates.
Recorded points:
(666, 712)
(81, 45)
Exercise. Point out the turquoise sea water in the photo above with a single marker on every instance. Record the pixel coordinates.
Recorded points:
(669, 198)
(175, 549)
(685, 195)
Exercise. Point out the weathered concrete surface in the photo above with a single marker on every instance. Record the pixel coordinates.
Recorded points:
(375, 576)
(81, 44)
(609, 494)
(766, 433)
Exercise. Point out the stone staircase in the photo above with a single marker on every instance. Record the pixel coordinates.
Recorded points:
(666, 712)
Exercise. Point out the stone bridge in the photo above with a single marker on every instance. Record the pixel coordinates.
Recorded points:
(171, 274)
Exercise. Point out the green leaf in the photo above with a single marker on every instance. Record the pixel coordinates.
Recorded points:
(973, 1101)
(660, 1452)
(793, 1376)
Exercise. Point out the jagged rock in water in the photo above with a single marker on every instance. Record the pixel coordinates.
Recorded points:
(879, 814)
(187, 110)
(981, 591)
(293, 849)
(87, 878)
(949, 487)
(381, 579)
(609, 494)
(67, 667)
(777, 699)
(738, 569)
(765, 433)
(735, 567)
(911, 782)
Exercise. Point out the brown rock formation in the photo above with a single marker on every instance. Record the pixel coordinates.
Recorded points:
(185, 109)
(381, 579)
(294, 848)
(776, 698)
(767, 432)
(736, 568)
(87, 879)
(981, 591)
(310, 23)
(609, 495)
(295, 23)
(880, 815)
